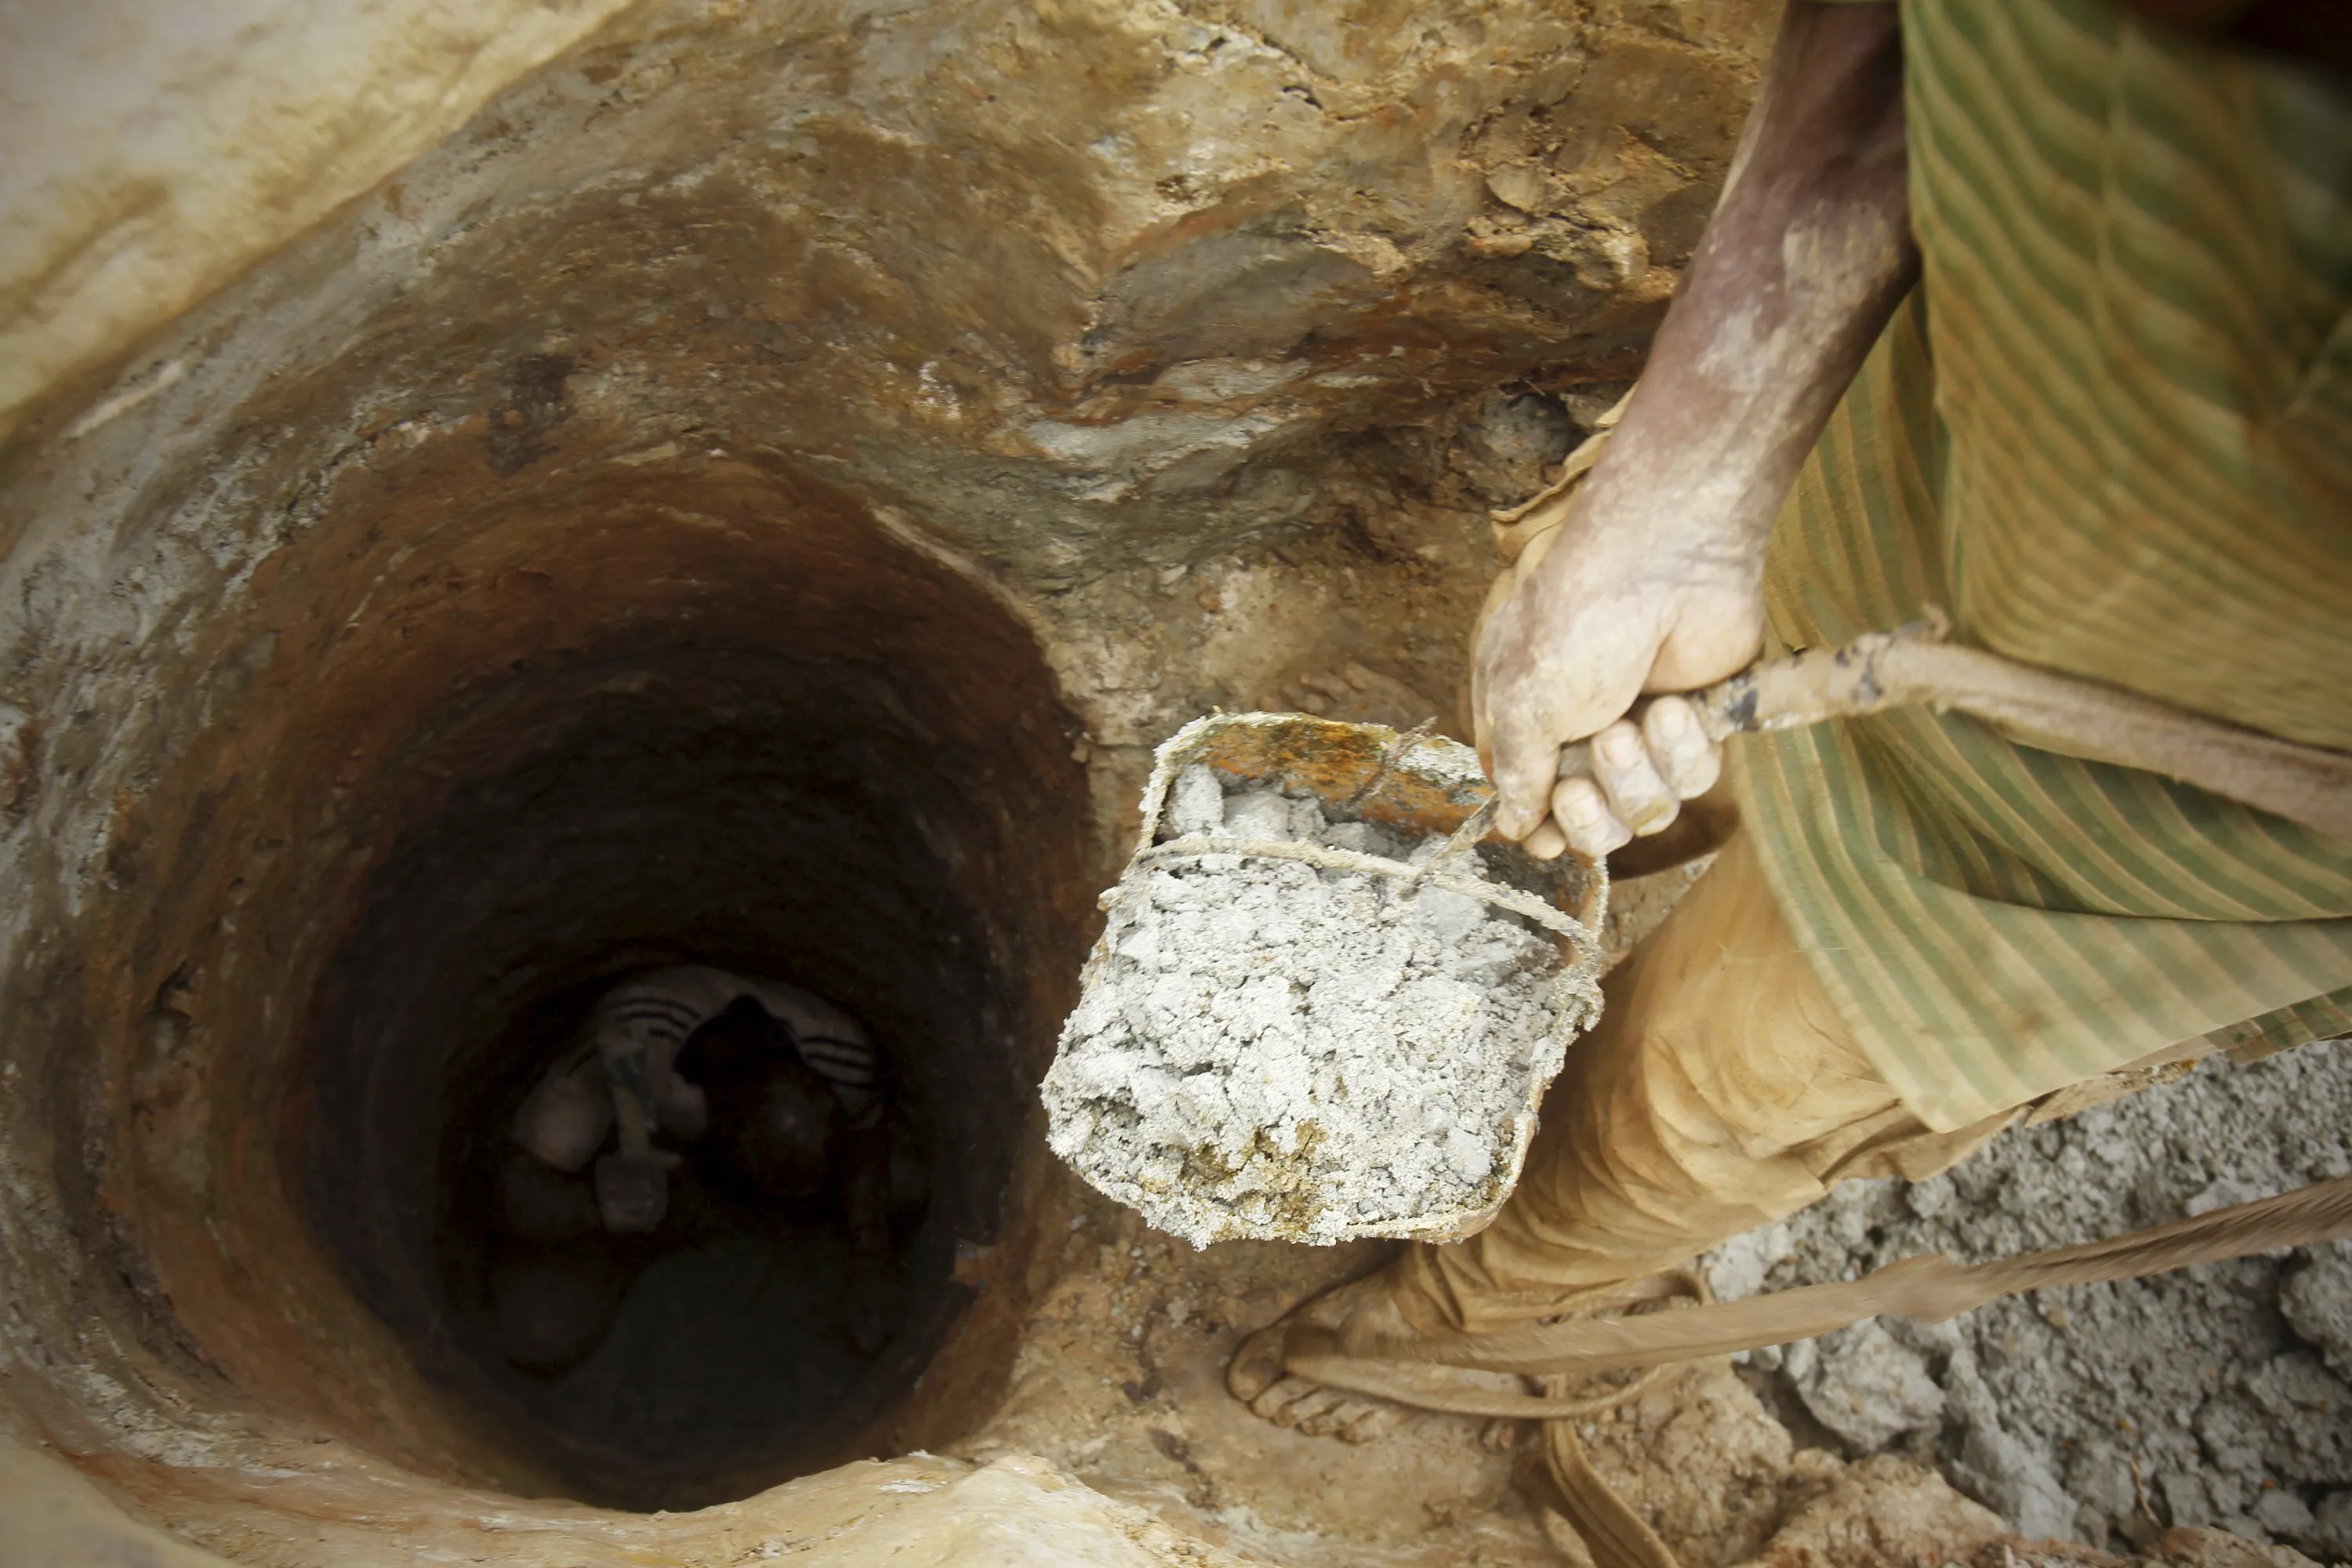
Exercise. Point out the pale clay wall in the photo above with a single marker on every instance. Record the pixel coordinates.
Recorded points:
(1178, 323)
(155, 149)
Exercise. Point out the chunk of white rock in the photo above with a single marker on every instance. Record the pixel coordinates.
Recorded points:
(1469, 1158)
(1257, 814)
(1195, 802)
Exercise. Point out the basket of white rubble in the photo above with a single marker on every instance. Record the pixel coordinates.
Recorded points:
(1319, 1009)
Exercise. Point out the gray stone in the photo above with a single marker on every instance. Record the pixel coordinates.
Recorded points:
(2102, 1478)
(1869, 1389)
(2211, 1383)
(2016, 1483)
(2282, 1513)
(2309, 1415)
(1738, 1268)
(2331, 1530)
(2317, 1302)
(2186, 1500)
(2226, 1193)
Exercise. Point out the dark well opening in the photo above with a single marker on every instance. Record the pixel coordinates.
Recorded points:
(835, 765)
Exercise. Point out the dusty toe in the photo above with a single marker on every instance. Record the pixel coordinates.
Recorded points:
(1502, 1434)
(1256, 1377)
(1293, 1401)
(1257, 1365)
(1342, 1415)
(1374, 1420)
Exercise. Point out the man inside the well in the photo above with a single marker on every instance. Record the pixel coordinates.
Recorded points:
(2032, 312)
(775, 1093)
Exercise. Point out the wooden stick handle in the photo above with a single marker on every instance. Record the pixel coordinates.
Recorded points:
(1931, 1287)
(1915, 667)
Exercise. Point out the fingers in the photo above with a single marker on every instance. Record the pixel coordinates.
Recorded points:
(1641, 774)
(1581, 814)
(1524, 710)
(1680, 748)
(1563, 651)
(1638, 792)
(1523, 768)
(1520, 742)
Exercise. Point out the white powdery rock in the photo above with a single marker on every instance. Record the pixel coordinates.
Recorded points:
(1269, 1049)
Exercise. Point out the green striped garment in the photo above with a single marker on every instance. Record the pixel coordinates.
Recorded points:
(2111, 434)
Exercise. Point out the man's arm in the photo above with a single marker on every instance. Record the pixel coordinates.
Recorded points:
(1655, 582)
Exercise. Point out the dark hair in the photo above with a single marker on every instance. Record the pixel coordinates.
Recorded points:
(774, 1118)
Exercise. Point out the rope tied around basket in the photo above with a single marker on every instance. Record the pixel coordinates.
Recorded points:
(1436, 872)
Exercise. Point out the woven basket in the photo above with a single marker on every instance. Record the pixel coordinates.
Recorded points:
(1418, 783)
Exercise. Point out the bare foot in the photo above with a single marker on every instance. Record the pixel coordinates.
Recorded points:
(1362, 1313)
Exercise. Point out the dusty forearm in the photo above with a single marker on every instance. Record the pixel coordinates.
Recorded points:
(1653, 576)
(1805, 258)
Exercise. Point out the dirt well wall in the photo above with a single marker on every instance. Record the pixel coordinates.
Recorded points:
(926, 406)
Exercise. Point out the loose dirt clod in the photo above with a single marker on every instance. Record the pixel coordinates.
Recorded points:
(1267, 1048)
(2213, 1396)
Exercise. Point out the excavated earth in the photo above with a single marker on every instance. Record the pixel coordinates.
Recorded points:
(1120, 1375)
(2218, 1395)
(588, 488)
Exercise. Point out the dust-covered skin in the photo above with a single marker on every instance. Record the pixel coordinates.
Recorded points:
(1653, 581)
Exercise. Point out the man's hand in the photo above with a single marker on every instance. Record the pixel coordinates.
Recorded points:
(1652, 580)
(1598, 622)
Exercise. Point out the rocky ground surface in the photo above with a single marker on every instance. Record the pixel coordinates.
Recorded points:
(1121, 1381)
(2198, 1419)
(2103, 1413)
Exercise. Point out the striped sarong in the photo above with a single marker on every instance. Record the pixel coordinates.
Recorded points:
(2111, 433)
